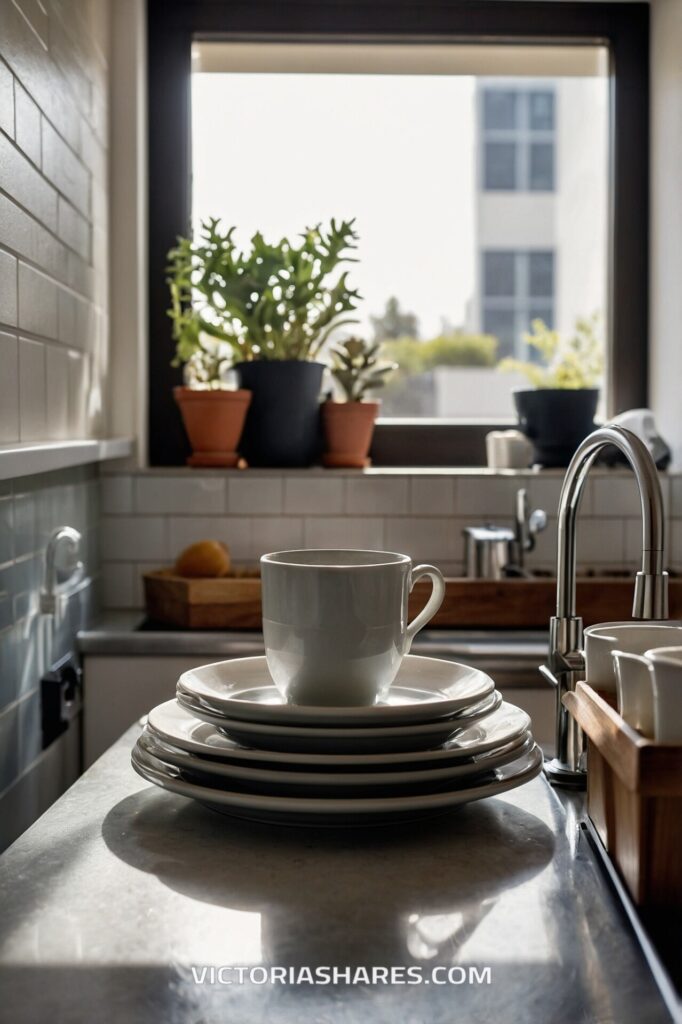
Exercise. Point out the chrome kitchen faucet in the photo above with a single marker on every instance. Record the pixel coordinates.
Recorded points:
(566, 664)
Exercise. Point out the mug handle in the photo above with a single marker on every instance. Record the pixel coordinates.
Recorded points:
(432, 605)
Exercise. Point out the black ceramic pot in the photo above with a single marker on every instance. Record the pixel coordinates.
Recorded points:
(555, 421)
(283, 422)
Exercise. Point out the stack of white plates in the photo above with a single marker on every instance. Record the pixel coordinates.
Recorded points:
(443, 737)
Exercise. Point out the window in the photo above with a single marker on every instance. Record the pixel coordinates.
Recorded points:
(518, 138)
(449, 283)
(521, 102)
(518, 287)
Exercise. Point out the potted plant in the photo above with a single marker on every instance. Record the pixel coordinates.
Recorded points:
(213, 414)
(349, 425)
(557, 413)
(274, 305)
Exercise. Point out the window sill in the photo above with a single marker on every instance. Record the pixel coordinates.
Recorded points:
(30, 457)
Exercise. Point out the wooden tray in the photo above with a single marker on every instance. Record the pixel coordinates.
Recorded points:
(634, 798)
(234, 602)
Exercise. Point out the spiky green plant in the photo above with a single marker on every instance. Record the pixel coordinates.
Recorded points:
(269, 301)
(571, 363)
(356, 365)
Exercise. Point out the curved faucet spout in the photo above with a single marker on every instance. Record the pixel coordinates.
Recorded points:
(566, 663)
(650, 592)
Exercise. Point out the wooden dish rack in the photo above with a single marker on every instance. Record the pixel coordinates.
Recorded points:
(634, 798)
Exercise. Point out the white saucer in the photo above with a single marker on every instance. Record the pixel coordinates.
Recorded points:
(219, 773)
(181, 729)
(349, 740)
(424, 689)
(289, 810)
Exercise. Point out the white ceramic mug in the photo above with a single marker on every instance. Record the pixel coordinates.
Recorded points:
(335, 622)
(633, 637)
(665, 666)
(650, 692)
(634, 687)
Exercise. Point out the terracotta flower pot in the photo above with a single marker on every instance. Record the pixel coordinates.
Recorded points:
(214, 421)
(348, 429)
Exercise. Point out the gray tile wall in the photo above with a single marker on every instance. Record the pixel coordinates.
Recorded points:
(30, 508)
(150, 516)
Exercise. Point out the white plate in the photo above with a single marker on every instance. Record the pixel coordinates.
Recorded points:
(178, 727)
(217, 773)
(424, 689)
(321, 739)
(289, 810)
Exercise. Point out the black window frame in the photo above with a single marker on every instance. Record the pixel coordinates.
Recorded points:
(623, 27)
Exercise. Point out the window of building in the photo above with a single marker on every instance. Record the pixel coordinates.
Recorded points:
(518, 138)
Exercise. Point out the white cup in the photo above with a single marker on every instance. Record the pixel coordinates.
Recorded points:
(650, 692)
(630, 637)
(635, 690)
(665, 666)
(335, 622)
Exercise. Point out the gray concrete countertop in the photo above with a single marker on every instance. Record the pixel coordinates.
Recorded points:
(120, 890)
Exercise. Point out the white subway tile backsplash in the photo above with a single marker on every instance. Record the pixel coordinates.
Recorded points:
(134, 537)
(116, 494)
(118, 589)
(543, 492)
(270, 533)
(432, 495)
(321, 495)
(185, 530)
(79, 386)
(345, 532)
(9, 395)
(6, 100)
(486, 496)
(675, 485)
(255, 495)
(57, 409)
(600, 541)
(619, 496)
(675, 545)
(27, 130)
(37, 303)
(198, 495)
(64, 170)
(376, 495)
(138, 570)
(424, 539)
(8, 290)
(32, 390)
(20, 179)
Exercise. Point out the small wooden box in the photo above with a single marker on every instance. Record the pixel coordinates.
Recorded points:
(226, 602)
(634, 798)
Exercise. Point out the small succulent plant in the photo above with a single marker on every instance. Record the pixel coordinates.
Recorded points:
(357, 368)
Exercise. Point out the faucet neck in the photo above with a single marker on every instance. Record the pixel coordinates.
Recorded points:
(650, 599)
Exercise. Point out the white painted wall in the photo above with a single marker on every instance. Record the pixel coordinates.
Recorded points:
(666, 221)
